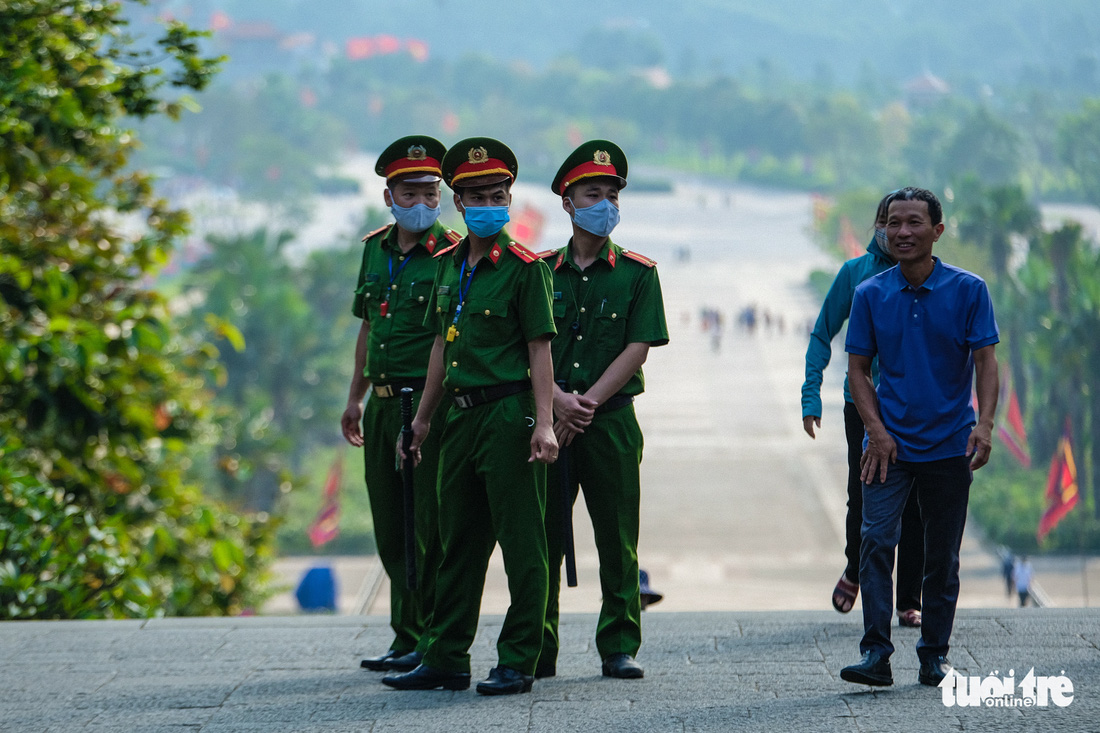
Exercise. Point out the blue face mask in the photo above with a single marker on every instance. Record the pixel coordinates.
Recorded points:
(416, 218)
(599, 219)
(486, 221)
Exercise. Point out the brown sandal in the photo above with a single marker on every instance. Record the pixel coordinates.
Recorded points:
(910, 618)
(844, 594)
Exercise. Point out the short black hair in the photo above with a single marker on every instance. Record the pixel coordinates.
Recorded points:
(911, 193)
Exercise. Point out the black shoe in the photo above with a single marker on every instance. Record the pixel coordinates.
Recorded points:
(404, 663)
(378, 664)
(623, 667)
(933, 670)
(873, 669)
(545, 669)
(505, 681)
(427, 678)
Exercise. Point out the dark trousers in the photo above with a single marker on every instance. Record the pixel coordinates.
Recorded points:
(911, 545)
(943, 490)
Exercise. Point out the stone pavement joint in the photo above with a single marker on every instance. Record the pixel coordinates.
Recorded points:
(716, 671)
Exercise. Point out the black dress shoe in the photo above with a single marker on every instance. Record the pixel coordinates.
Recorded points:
(873, 669)
(378, 664)
(623, 667)
(427, 678)
(933, 670)
(545, 669)
(505, 681)
(404, 663)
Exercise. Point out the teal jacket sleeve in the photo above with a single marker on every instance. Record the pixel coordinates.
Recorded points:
(834, 312)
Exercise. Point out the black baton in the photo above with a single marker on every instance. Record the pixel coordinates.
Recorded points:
(410, 499)
(567, 518)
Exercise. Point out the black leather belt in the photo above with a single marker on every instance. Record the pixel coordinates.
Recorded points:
(391, 389)
(619, 400)
(480, 396)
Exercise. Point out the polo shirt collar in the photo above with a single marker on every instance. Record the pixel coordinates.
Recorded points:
(928, 284)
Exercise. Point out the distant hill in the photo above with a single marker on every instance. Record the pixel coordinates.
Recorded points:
(967, 42)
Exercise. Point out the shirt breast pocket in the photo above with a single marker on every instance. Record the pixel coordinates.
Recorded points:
(371, 293)
(609, 328)
(419, 292)
(487, 322)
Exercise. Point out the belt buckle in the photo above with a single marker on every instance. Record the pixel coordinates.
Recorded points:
(464, 401)
(385, 390)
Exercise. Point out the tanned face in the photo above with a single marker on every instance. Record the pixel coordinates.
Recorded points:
(497, 194)
(591, 192)
(910, 230)
(407, 195)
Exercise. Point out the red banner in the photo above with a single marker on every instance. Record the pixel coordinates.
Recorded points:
(1062, 493)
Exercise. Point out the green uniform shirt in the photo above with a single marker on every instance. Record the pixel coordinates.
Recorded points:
(399, 343)
(506, 304)
(615, 301)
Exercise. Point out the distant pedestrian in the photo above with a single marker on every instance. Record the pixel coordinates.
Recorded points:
(932, 327)
(1021, 575)
(1008, 564)
(830, 321)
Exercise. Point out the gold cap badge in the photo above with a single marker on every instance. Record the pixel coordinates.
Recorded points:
(417, 152)
(601, 157)
(478, 155)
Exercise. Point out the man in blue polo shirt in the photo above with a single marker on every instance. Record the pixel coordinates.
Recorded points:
(932, 327)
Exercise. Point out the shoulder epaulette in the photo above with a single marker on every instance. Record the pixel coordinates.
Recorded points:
(640, 258)
(546, 254)
(449, 248)
(452, 235)
(379, 230)
(522, 252)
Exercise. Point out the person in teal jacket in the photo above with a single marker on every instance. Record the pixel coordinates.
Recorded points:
(834, 313)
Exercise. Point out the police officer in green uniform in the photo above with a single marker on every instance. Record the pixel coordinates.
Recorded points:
(491, 312)
(395, 285)
(608, 311)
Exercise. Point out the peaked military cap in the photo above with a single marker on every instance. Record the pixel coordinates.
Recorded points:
(415, 159)
(590, 160)
(479, 161)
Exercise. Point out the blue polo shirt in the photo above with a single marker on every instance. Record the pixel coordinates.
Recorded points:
(924, 338)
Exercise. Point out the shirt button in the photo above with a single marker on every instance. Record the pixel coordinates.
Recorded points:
(454, 363)
(381, 346)
(582, 309)
(614, 315)
(487, 311)
(381, 376)
(389, 315)
(576, 392)
(393, 287)
(585, 278)
(401, 258)
(576, 365)
(579, 337)
(420, 299)
(439, 309)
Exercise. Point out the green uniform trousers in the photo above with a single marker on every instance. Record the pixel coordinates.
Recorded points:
(489, 493)
(604, 461)
(410, 611)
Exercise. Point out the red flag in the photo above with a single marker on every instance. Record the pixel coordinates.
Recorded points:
(326, 526)
(1011, 430)
(526, 226)
(849, 242)
(360, 48)
(1061, 486)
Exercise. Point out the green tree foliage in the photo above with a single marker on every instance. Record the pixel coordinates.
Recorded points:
(99, 396)
(1079, 148)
